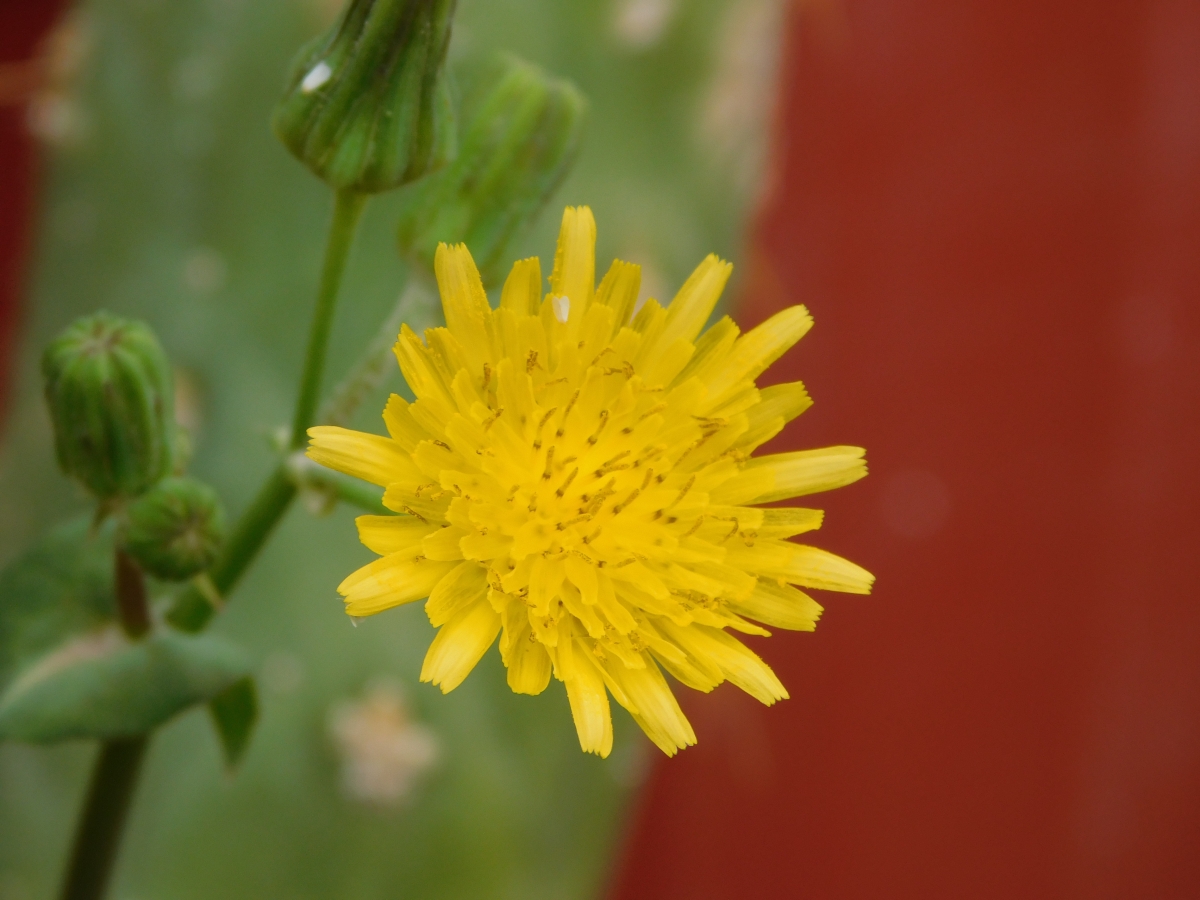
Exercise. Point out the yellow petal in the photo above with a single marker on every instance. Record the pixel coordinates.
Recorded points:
(463, 299)
(712, 349)
(463, 586)
(783, 522)
(655, 708)
(588, 698)
(816, 568)
(390, 582)
(574, 274)
(403, 428)
(522, 291)
(758, 348)
(779, 605)
(695, 301)
(459, 645)
(781, 476)
(392, 534)
(737, 662)
(443, 543)
(777, 406)
(370, 457)
(619, 290)
(528, 662)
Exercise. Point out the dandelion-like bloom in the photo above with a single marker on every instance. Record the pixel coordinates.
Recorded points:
(578, 479)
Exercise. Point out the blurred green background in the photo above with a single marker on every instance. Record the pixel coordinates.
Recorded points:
(166, 198)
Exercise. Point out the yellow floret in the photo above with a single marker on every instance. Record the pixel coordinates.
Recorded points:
(575, 476)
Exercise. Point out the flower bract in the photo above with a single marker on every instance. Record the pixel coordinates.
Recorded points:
(576, 477)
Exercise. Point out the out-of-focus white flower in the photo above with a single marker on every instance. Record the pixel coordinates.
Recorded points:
(204, 270)
(640, 24)
(382, 750)
(55, 114)
(736, 114)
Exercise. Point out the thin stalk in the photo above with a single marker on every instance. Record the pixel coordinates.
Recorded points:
(192, 610)
(114, 777)
(98, 835)
(346, 212)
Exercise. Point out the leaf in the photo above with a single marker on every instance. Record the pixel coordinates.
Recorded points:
(235, 713)
(60, 588)
(68, 671)
(104, 686)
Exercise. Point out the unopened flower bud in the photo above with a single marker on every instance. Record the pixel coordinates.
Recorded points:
(175, 530)
(518, 137)
(108, 386)
(367, 106)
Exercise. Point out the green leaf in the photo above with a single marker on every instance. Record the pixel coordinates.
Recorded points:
(104, 686)
(57, 590)
(235, 713)
(68, 671)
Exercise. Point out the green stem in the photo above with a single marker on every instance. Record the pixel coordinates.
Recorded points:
(98, 835)
(346, 212)
(192, 610)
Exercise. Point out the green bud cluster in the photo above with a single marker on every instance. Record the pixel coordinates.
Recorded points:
(521, 130)
(109, 390)
(175, 529)
(367, 107)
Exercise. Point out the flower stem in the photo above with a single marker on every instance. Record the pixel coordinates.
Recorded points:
(346, 212)
(98, 835)
(192, 610)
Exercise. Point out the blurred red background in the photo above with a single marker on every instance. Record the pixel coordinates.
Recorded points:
(25, 24)
(993, 212)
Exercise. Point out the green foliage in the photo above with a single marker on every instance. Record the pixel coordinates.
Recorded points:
(108, 386)
(235, 713)
(367, 106)
(59, 590)
(520, 132)
(177, 205)
(103, 686)
(66, 671)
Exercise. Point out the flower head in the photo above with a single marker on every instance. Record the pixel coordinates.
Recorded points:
(575, 476)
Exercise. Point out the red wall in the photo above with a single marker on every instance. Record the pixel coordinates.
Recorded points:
(993, 212)
(22, 25)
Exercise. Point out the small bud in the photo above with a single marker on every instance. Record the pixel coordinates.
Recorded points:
(519, 135)
(175, 529)
(367, 106)
(108, 386)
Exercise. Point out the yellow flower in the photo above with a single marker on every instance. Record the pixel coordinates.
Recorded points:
(577, 479)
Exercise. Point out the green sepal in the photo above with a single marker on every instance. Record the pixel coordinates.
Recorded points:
(235, 713)
(367, 107)
(519, 135)
(109, 389)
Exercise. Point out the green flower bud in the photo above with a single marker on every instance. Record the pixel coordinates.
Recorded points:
(367, 106)
(520, 133)
(175, 529)
(109, 389)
